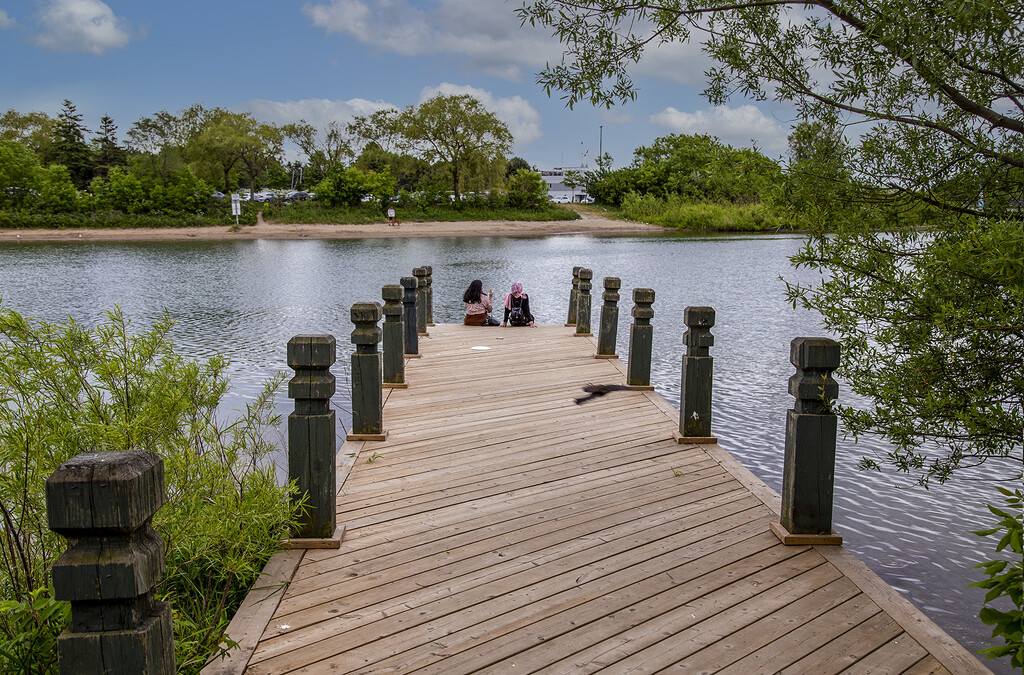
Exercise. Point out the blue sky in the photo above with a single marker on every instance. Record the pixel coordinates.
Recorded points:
(323, 60)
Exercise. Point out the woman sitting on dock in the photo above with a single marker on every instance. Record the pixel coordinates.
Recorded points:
(517, 307)
(478, 305)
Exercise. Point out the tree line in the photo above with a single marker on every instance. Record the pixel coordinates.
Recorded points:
(182, 163)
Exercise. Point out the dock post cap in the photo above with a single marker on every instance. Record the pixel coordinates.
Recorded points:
(129, 483)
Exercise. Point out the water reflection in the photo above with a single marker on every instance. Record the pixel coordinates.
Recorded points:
(246, 299)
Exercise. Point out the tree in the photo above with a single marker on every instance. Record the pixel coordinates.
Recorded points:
(323, 151)
(159, 139)
(527, 189)
(456, 131)
(514, 165)
(348, 186)
(381, 128)
(258, 145)
(69, 146)
(572, 180)
(34, 130)
(923, 287)
(107, 152)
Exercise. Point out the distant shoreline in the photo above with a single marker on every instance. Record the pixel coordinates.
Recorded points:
(588, 224)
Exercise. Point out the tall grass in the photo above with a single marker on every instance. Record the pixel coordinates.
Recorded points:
(676, 213)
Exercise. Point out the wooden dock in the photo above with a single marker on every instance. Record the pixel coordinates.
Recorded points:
(502, 528)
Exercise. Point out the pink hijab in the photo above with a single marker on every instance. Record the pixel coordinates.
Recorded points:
(517, 288)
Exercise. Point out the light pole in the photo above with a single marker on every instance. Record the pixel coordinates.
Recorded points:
(600, 145)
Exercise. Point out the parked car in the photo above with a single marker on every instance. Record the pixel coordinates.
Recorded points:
(265, 196)
(560, 199)
(217, 194)
(296, 196)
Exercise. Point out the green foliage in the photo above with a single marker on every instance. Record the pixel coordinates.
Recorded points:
(695, 168)
(456, 131)
(678, 213)
(55, 191)
(429, 211)
(220, 215)
(1004, 581)
(347, 186)
(29, 630)
(33, 130)
(526, 189)
(68, 389)
(69, 146)
(514, 165)
(932, 327)
(183, 193)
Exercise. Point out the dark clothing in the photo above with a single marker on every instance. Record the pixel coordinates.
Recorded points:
(525, 305)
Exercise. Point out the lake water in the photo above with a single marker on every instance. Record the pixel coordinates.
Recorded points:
(245, 300)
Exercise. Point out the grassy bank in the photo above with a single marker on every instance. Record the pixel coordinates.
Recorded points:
(696, 216)
(18, 220)
(309, 213)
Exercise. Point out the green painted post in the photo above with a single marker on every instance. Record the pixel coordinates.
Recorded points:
(312, 433)
(367, 390)
(574, 296)
(609, 330)
(583, 303)
(411, 334)
(421, 299)
(808, 471)
(103, 503)
(641, 340)
(695, 392)
(430, 294)
(394, 340)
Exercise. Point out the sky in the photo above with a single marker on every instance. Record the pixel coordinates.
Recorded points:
(324, 60)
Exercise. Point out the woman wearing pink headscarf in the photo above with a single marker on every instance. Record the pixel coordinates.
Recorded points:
(517, 307)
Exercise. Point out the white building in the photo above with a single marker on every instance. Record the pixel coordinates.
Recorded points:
(557, 190)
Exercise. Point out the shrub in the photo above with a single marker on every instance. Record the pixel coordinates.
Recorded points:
(526, 189)
(68, 389)
(1004, 582)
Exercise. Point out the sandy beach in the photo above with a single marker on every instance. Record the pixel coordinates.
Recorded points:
(588, 224)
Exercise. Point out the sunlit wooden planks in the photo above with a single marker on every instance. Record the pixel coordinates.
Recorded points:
(503, 528)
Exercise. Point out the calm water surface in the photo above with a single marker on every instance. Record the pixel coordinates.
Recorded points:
(246, 299)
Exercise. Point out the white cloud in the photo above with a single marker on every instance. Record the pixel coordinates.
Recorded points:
(82, 26)
(522, 118)
(485, 31)
(317, 111)
(6, 21)
(735, 126)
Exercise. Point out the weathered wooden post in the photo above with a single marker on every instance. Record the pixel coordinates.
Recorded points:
(103, 503)
(609, 330)
(583, 303)
(641, 340)
(430, 294)
(421, 299)
(574, 295)
(695, 393)
(808, 472)
(409, 286)
(312, 445)
(367, 391)
(394, 340)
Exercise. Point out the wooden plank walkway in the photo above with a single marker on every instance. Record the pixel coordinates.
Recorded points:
(501, 528)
